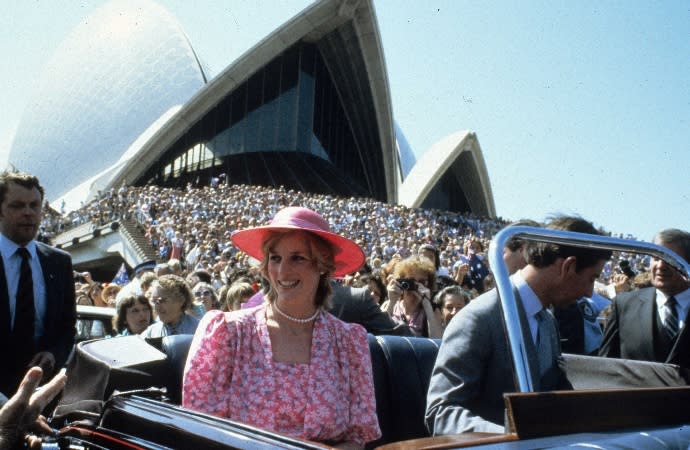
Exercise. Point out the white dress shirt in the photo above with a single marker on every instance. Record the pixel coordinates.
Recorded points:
(12, 262)
(530, 302)
(682, 306)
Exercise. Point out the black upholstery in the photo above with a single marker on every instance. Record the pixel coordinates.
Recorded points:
(176, 347)
(402, 368)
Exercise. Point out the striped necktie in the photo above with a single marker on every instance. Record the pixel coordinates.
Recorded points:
(671, 318)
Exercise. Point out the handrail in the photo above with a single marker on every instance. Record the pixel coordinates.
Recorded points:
(505, 290)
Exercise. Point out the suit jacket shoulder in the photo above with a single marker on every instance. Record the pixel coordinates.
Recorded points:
(59, 331)
(357, 306)
(471, 372)
(629, 330)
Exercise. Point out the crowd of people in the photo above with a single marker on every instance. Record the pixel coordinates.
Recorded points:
(191, 229)
(281, 259)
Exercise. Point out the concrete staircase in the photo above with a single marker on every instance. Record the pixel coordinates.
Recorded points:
(134, 233)
(105, 247)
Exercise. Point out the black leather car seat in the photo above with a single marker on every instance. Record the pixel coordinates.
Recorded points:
(176, 347)
(402, 369)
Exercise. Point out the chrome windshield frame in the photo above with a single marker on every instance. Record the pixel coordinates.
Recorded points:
(510, 312)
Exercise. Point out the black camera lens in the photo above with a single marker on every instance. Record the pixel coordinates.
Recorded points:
(407, 284)
(624, 265)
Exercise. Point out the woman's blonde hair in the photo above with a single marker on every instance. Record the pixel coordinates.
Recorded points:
(176, 286)
(321, 254)
(406, 267)
(235, 293)
(109, 290)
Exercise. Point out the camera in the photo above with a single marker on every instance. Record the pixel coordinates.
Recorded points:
(625, 268)
(407, 284)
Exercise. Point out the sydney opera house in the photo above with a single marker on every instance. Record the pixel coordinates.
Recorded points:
(126, 99)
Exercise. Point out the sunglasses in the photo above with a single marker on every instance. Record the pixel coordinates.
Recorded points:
(203, 294)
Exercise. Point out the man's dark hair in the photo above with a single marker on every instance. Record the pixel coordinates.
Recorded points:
(515, 243)
(239, 273)
(21, 178)
(437, 257)
(675, 236)
(202, 275)
(542, 254)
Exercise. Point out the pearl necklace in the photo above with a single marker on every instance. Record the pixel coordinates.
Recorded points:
(274, 305)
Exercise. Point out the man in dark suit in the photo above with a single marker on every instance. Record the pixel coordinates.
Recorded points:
(650, 324)
(355, 305)
(37, 306)
(474, 368)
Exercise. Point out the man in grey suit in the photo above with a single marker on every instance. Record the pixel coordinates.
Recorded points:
(637, 326)
(474, 368)
(37, 307)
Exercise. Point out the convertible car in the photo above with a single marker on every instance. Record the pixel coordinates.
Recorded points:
(124, 393)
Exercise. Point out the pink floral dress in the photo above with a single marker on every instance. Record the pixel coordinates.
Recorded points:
(231, 373)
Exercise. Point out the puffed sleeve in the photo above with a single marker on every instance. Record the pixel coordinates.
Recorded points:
(207, 374)
(364, 425)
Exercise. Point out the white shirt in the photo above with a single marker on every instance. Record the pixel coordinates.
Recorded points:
(530, 302)
(682, 306)
(12, 262)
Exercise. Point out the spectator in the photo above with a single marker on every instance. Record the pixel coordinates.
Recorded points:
(449, 301)
(171, 298)
(205, 296)
(199, 275)
(109, 294)
(375, 286)
(238, 294)
(650, 324)
(134, 286)
(146, 281)
(514, 251)
(133, 315)
(409, 294)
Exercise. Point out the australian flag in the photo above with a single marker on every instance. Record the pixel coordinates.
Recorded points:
(478, 271)
(121, 277)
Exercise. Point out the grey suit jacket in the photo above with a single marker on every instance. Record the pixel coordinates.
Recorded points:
(630, 331)
(60, 318)
(474, 369)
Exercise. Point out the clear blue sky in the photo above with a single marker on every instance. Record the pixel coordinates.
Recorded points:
(580, 107)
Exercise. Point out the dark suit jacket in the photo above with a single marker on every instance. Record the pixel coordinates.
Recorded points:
(355, 305)
(631, 331)
(474, 369)
(59, 322)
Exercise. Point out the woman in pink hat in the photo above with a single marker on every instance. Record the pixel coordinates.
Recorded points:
(288, 365)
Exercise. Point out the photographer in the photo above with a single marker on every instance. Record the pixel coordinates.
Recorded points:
(409, 296)
(622, 280)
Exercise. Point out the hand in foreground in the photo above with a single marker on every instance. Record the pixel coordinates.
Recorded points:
(22, 411)
(44, 360)
(621, 283)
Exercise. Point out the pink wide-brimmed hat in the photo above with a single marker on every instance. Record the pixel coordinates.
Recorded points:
(348, 256)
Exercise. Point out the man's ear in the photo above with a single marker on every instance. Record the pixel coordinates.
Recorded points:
(569, 265)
